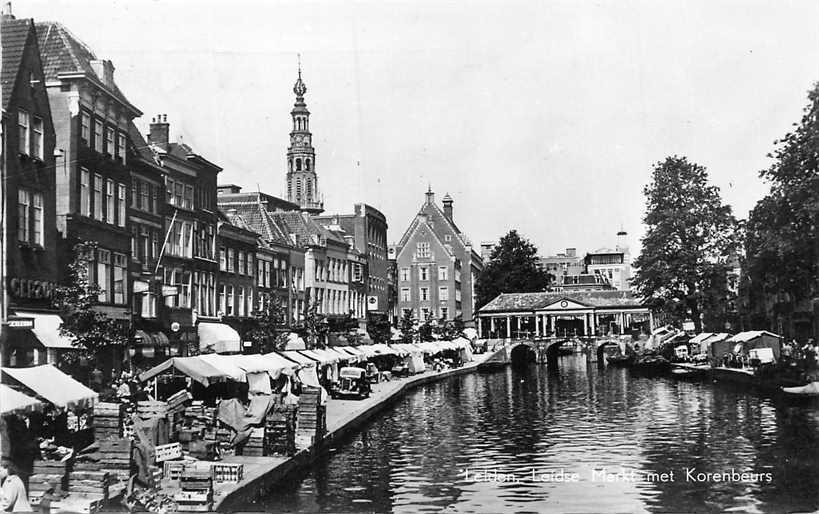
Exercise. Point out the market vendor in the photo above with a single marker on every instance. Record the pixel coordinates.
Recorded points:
(13, 497)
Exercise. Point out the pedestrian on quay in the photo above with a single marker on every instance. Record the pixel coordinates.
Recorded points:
(13, 497)
(96, 379)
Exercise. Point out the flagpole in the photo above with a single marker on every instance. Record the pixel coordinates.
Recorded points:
(165, 242)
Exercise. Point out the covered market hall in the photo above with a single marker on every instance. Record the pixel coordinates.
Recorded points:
(563, 314)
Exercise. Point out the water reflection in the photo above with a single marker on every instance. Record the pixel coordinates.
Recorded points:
(577, 419)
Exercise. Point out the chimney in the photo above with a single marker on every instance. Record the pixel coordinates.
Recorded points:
(104, 69)
(430, 196)
(571, 252)
(448, 206)
(159, 131)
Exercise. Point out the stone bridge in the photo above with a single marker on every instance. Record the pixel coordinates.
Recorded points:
(545, 349)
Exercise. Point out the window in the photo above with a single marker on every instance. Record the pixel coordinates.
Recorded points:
(443, 293)
(447, 238)
(119, 278)
(423, 273)
(23, 126)
(155, 243)
(222, 304)
(23, 221)
(37, 140)
(443, 273)
(104, 275)
(222, 260)
(230, 260)
(188, 197)
(109, 141)
(405, 274)
(250, 264)
(422, 250)
(241, 270)
(109, 202)
(230, 306)
(85, 130)
(148, 305)
(144, 248)
(121, 147)
(445, 312)
(241, 306)
(85, 193)
(37, 218)
(121, 205)
(144, 201)
(98, 135)
(424, 294)
(97, 196)
(405, 294)
(184, 289)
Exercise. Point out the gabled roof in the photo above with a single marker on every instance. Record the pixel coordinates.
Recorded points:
(417, 226)
(432, 210)
(141, 147)
(256, 216)
(507, 302)
(15, 34)
(62, 52)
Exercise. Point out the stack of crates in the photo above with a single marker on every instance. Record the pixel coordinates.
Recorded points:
(227, 471)
(150, 409)
(254, 447)
(311, 421)
(48, 478)
(108, 420)
(115, 457)
(280, 430)
(196, 494)
(92, 484)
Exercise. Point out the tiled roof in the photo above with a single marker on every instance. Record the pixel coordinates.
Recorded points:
(141, 146)
(533, 301)
(62, 52)
(14, 35)
(436, 215)
(255, 215)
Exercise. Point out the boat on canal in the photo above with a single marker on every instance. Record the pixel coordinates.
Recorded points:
(689, 371)
(651, 364)
(621, 361)
(810, 391)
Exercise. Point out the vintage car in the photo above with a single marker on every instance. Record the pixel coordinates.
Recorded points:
(352, 382)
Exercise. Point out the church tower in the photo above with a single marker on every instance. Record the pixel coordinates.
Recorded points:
(302, 182)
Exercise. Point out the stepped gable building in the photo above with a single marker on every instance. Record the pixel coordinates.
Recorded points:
(28, 164)
(91, 118)
(437, 265)
(302, 181)
(280, 263)
(368, 228)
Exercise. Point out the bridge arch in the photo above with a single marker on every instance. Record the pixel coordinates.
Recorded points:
(522, 353)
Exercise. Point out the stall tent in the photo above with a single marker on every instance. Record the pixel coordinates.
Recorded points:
(745, 341)
(15, 402)
(54, 386)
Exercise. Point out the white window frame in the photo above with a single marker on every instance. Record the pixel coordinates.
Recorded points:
(23, 215)
(37, 140)
(23, 131)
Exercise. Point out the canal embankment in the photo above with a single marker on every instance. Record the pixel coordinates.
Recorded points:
(344, 416)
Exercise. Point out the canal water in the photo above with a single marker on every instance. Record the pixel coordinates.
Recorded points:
(577, 438)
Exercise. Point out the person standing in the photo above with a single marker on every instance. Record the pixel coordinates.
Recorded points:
(13, 497)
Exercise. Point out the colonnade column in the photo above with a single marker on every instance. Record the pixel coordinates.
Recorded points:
(480, 328)
(585, 324)
(508, 327)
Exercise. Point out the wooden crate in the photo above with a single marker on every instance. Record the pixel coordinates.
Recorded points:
(168, 452)
(227, 471)
(173, 468)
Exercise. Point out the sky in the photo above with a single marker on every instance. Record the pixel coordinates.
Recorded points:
(542, 116)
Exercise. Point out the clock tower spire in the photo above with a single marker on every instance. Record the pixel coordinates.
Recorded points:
(302, 182)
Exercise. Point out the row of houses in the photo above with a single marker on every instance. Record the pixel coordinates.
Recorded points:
(182, 262)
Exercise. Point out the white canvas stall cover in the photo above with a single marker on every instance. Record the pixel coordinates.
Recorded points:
(466, 353)
(470, 333)
(297, 357)
(399, 349)
(309, 377)
(226, 364)
(382, 349)
(321, 356)
(15, 402)
(367, 350)
(415, 363)
(55, 386)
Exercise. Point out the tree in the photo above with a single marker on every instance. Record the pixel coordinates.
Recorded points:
(782, 242)
(407, 326)
(91, 331)
(512, 268)
(315, 326)
(691, 239)
(268, 325)
(426, 329)
(379, 329)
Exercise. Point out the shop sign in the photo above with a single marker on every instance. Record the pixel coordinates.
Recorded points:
(20, 322)
(27, 289)
(140, 287)
(372, 303)
(169, 291)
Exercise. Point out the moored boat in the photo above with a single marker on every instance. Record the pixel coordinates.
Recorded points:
(651, 364)
(620, 360)
(811, 389)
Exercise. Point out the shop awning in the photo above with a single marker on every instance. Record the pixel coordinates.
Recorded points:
(193, 367)
(226, 364)
(47, 329)
(218, 337)
(280, 362)
(297, 357)
(55, 386)
(382, 349)
(15, 402)
(697, 339)
(321, 356)
(342, 355)
(257, 363)
(294, 342)
(367, 350)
